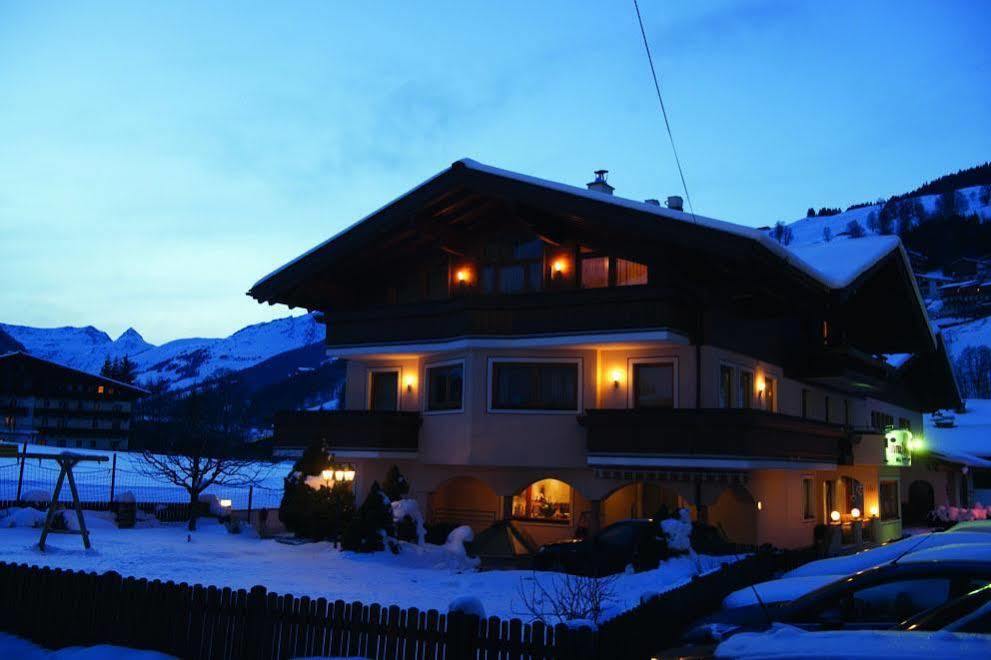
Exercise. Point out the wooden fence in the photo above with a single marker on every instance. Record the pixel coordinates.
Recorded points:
(57, 608)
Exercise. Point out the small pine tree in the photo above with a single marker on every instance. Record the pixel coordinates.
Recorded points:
(315, 513)
(125, 370)
(854, 229)
(781, 233)
(395, 486)
(107, 370)
(827, 234)
(811, 213)
(371, 525)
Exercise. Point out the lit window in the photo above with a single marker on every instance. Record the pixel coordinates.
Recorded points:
(630, 273)
(99, 389)
(444, 387)
(595, 272)
(547, 500)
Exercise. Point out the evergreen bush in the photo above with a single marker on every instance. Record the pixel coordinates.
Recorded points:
(315, 513)
(371, 525)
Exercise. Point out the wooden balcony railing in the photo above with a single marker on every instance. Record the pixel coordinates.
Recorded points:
(355, 430)
(714, 432)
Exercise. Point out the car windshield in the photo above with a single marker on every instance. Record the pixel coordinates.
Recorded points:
(944, 615)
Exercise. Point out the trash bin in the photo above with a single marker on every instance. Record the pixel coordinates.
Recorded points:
(127, 510)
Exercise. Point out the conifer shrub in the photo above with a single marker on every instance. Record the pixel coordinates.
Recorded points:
(310, 509)
(371, 525)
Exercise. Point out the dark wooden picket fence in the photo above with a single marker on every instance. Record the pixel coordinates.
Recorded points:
(57, 608)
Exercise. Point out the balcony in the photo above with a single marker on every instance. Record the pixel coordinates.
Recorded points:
(735, 433)
(547, 312)
(348, 430)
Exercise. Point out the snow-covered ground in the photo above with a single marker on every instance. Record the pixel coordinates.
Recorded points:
(94, 480)
(969, 439)
(424, 577)
(21, 649)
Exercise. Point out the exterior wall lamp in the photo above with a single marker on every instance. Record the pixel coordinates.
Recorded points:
(617, 376)
(410, 381)
(834, 516)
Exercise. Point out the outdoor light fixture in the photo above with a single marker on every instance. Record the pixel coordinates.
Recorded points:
(338, 475)
(463, 276)
(760, 505)
(349, 474)
(834, 516)
(617, 376)
(873, 512)
(409, 384)
(559, 267)
(855, 512)
(327, 475)
(226, 504)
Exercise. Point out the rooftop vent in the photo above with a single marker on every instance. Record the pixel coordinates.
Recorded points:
(676, 203)
(652, 202)
(600, 185)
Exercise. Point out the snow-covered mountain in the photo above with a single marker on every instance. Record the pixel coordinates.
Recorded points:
(178, 363)
(809, 231)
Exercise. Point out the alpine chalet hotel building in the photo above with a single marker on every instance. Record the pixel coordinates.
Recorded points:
(565, 358)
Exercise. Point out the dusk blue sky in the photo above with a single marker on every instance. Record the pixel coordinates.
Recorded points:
(156, 159)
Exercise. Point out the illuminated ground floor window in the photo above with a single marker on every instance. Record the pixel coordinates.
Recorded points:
(547, 500)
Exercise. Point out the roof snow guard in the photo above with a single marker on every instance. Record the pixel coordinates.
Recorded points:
(842, 270)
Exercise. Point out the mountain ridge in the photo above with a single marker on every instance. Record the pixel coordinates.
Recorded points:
(175, 364)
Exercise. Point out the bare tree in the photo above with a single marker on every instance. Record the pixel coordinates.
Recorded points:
(556, 597)
(204, 446)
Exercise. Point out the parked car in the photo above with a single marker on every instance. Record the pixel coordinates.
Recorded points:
(874, 599)
(636, 542)
(968, 614)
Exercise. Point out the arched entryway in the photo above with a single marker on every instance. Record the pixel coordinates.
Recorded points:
(464, 501)
(921, 501)
(550, 510)
(734, 513)
(641, 499)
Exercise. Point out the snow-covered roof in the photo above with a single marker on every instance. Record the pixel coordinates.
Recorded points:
(969, 441)
(117, 383)
(835, 268)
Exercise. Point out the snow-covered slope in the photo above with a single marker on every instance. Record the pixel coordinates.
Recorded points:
(178, 363)
(809, 231)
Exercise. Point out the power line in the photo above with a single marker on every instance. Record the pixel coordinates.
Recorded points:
(664, 112)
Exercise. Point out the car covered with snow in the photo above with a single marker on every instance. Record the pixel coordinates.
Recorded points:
(783, 641)
(874, 599)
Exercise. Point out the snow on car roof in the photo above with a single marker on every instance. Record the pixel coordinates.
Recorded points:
(784, 641)
(951, 552)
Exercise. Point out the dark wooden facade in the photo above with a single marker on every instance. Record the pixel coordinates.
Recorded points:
(714, 433)
(351, 430)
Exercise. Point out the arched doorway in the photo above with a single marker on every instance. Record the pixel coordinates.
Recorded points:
(549, 510)
(734, 513)
(921, 501)
(464, 501)
(641, 499)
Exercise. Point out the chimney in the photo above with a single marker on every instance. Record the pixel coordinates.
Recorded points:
(676, 203)
(600, 185)
(652, 202)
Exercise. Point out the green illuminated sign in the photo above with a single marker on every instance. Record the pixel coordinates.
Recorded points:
(898, 446)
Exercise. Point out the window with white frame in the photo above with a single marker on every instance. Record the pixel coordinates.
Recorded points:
(534, 384)
(655, 383)
(445, 387)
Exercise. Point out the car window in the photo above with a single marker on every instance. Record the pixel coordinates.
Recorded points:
(893, 601)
